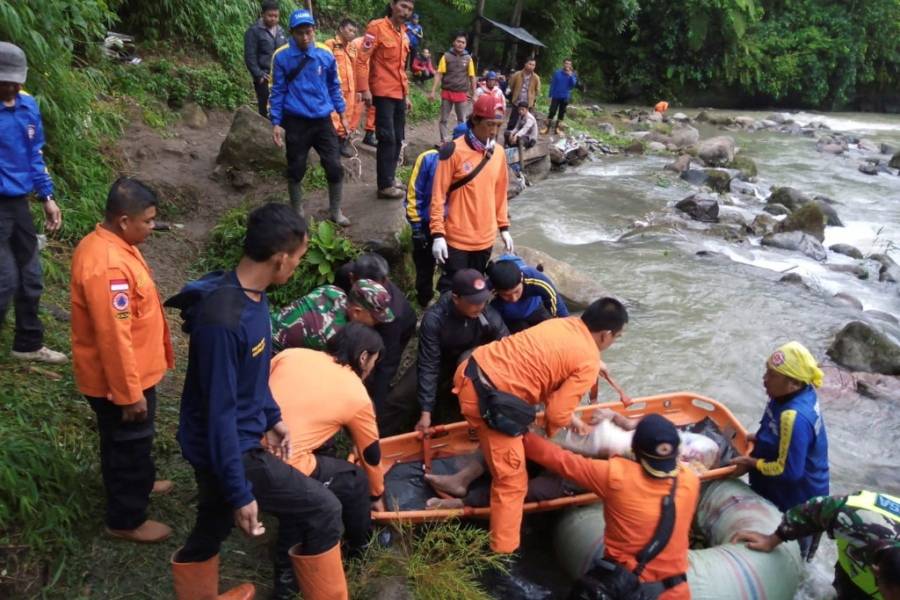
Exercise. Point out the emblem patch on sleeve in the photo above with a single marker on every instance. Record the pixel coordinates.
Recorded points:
(368, 41)
(120, 301)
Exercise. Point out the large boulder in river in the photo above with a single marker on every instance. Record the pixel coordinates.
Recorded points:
(718, 180)
(576, 288)
(895, 161)
(764, 224)
(867, 145)
(809, 218)
(249, 146)
(846, 250)
(776, 209)
(685, 136)
(797, 241)
(700, 207)
(788, 197)
(744, 164)
(680, 165)
(890, 271)
(826, 205)
(696, 177)
(717, 151)
(861, 347)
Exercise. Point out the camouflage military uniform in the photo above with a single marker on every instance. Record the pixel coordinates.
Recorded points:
(312, 320)
(863, 524)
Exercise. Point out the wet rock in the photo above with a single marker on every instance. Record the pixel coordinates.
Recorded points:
(515, 184)
(685, 136)
(809, 218)
(846, 250)
(797, 241)
(835, 149)
(861, 347)
(538, 170)
(764, 224)
(249, 144)
(737, 186)
(656, 147)
(895, 161)
(718, 180)
(557, 156)
(868, 146)
(735, 216)
(847, 300)
(877, 386)
(654, 117)
(746, 166)
(776, 209)
(826, 206)
(745, 122)
(868, 169)
(858, 271)
(889, 148)
(576, 288)
(890, 271)
(792, 278)
(194, 116)
(700, 207)
(790, 198)
(695, 176)
(779, 118)
(680, 117)
(717, 151)
(635, 147)
(680, 165)
(768, 124)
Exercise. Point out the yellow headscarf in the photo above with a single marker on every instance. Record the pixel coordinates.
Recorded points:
(795, 361)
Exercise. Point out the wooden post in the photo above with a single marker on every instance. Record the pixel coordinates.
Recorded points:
(515, 21)
(476, 39)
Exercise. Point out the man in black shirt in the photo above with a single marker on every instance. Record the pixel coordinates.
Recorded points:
(260, 42)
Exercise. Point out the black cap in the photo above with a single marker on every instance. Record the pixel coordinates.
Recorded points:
(470, 285)
(655, 445)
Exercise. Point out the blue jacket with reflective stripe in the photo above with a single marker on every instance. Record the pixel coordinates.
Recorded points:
(418, 193)
(22, 168)
(537, 290)
(314, 93)
(793, 446)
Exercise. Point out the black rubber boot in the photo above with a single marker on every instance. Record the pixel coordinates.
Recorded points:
(295, 193)
(334, 204)
(346, 150)
(369, 139)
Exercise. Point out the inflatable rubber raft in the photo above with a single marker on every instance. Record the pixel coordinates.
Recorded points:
(718, 571)
(406, 457)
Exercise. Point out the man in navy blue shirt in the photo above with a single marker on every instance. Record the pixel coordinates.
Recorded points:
(524, 295)
(22, 173)
(227, 410)
(305, 91)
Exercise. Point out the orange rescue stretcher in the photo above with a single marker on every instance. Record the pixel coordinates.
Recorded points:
(682, 408)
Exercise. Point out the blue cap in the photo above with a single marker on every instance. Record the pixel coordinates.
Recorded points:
(491, 75)
(655, 445)
(301, 17)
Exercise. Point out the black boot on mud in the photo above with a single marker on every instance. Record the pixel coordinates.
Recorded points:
(295, 193)
(334, 204)
(369, 139)
(346, 149)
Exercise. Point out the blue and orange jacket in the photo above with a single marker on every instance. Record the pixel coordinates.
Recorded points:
(792, 451)
(537, 290)
(418, 193)
(314, 93)
(22, 168)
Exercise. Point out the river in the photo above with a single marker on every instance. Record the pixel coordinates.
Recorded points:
(708, 322)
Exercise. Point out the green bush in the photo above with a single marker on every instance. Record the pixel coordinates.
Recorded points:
(328, 250)
(423, 109)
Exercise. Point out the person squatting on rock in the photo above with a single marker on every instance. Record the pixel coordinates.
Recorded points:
(383, 83)
(260, 42)
(469, 196)
(23, 173)
(227, 408)
(305, 91)
(120, 351)
(345, 53)
(456, 79)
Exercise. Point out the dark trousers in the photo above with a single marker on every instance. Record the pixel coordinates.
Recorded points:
(20, 273)
(462, 259)
(262, 97)
(402, 410)
(423, 260)
(513, 118)
(390, 128)
(307, 512)
(348, 482)
(557, 105)
(301, 135)
(126, 462)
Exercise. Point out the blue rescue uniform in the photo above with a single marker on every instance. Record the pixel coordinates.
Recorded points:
(313, 92)
(540, 300)
(22, 168)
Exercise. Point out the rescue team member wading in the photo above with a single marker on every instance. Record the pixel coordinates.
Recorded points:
(554, 363)
(383, 84)
(260, 43)
(227, 408)
(633, 493)
(468, 199)
(305, 91)
(320, 394)
(22, 172)
(120, 351)
(345, 53)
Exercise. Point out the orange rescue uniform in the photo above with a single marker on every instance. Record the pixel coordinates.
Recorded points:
(120, 338)
(318, 397)
(381, 63)
(553, 363)
(661, 106)
(631, 507)
(471, 216)
(345, 57)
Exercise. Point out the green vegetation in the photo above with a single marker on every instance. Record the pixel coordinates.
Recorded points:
(328, 249)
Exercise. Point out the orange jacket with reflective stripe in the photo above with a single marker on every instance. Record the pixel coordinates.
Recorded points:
(381, 63)
(631, 507)
(471, 216)
(318, 397)
(120, 338)
(345, 56)
(555, 362)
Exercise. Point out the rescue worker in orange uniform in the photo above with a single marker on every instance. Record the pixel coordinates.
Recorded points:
(319, 394)
(633, 495)
(121, 350)
(661, 107)
(361, 108)
(345, 53)
(468, 197)
(382, 81)
(553, 363)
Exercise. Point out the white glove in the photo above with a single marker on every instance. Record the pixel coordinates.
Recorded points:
(439, 250)
(507, 241)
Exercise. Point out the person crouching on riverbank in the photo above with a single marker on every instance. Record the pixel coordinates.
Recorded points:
(789, 461)
(120, 351)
